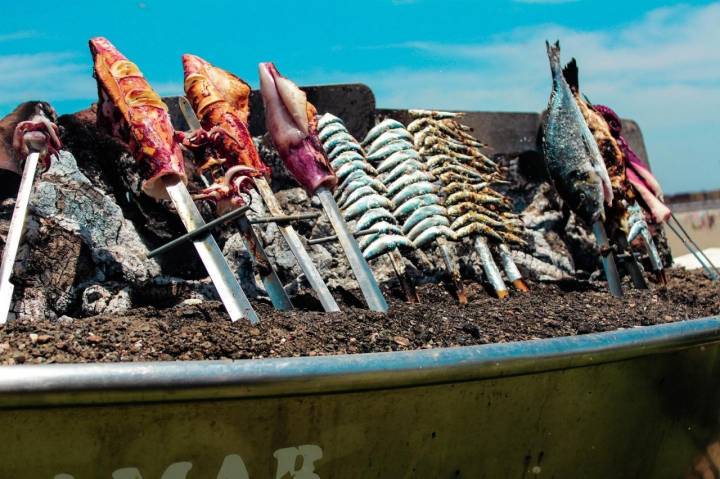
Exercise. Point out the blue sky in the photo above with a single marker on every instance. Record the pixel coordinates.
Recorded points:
(658, 63)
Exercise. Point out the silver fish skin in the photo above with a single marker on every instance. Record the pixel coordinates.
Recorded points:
(328, 119)
(409, 178)
(336, 140)
(387, 138)
(567, 156)
(413, 190)
(412, 204)
(385, 227)
(420, 214)
(385, 125)
(357, 175)
(331, 129)
(356, 194)
(355, 165)
(427, 223)
(389, 149)
(405, 168)
(385, 244)
(342, 148)
(366, 203)
(431, 234)
(373, 216)
(361, 182)
(344, 158)
(396, 158)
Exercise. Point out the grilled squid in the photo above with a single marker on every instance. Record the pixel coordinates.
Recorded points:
(130, 110)
(292, 123)
(222, 103)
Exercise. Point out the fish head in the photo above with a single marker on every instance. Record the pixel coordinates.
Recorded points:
(587, 202)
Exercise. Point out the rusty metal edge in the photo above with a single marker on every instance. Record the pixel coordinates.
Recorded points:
(114, 383)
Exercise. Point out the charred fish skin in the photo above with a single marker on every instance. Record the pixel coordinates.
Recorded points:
(567, 157)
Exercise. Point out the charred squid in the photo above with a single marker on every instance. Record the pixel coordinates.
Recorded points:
(130, 110)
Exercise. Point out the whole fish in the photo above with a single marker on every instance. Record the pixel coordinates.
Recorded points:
(427, 223)
(409, 178)
(348, 168)
(412, 204)
(568, 155)
(356, 194)
(387, 150)
(380, 128)
(396, 158)
(342, 148)
(344, 158)
(387, 138)
(414, 190)
(408, 167)
(366, 203)
(338, 139)
(329, 129)
(373, 216)
(328, 119)
(422, 213)
(432, 233)
(385, 244)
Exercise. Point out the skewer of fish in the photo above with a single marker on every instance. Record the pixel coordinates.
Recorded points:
(412, 190)
(132, 111)
(576, 166)
(268, 275)
(616, 213)
(221, 100)
(466, 177)
(363, 198)
(292, 123)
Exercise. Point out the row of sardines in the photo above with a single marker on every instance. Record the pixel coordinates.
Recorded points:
(404, 194)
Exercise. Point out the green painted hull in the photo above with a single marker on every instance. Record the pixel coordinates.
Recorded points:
(633, 403)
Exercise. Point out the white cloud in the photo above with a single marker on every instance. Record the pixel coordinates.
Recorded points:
(21, 35)
(662, 70)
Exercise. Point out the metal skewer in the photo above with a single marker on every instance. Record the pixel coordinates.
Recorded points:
(695, 252)
(700, 251)
(408, 287)
(12, 242)
(491, 270)
(273, 285)
(608, 260)
(233, 297)
(452, 269)
(363, 273)
(298, 249)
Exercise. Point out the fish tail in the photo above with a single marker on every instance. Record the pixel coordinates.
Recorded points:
(570, 72)
(553, 51)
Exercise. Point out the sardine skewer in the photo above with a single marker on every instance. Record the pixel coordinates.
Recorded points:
(491, 270)
(639, 227)
(298, 249)
(273, 285)
(12, 242)
(368, 284)
(228, 288)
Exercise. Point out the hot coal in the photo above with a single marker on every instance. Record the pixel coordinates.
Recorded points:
(201, 330)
